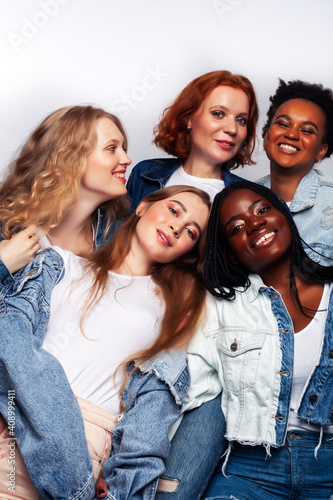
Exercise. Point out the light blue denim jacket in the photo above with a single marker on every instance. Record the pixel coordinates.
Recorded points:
(312, 210)
(246, 348)
(47, 423)
(140, 439)
(150, 175)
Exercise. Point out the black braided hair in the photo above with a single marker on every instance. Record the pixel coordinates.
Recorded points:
(313, 92)
(222, 275)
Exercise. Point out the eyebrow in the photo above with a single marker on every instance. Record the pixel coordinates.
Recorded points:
(182, 206)
(307, 122)
(219, 106)
(235, 217)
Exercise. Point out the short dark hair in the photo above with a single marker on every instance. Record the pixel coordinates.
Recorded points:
(222, 275)
(313, 92)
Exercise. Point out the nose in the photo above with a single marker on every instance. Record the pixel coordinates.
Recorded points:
(230, 125)
(125, 159)
(255, 223)
(175, 230)
(292, 133)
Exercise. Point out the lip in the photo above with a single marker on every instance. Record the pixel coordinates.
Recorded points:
(163, 237)
(120, 174)
(226, 145)
(263, 238)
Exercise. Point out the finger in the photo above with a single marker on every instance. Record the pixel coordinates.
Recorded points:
(31, 230)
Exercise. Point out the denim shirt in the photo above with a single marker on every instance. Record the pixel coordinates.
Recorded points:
(140, 439)
(150, 175)
(312, 210)
(48, 425)
(246, 348)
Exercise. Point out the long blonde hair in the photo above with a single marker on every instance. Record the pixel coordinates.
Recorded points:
(180, 282)
(43, 180)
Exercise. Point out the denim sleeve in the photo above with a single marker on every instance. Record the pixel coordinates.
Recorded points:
(140, 442)
(4, 273)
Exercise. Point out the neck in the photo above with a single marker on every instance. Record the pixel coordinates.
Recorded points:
(136, 262)
(284, 181)
(75, 232)
(200, 168)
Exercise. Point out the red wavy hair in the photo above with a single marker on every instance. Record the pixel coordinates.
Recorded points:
(172, 134)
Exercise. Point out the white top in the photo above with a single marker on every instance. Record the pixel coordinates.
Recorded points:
(125, 320)
(307, 349)
(211, 186)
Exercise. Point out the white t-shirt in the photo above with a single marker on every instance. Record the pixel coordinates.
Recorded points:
(211, 186)
(125, 320)
(307, 349)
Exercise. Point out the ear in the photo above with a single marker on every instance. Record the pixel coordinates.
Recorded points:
(322, 152)
(141, 208)
(233, 260)
(189, 124)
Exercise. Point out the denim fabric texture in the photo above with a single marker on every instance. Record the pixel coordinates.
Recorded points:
(312, 210)
(245, 347)
(48, 423)
(140, 439)
(291, 472)
(150, 175)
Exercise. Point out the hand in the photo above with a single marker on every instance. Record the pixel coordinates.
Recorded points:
(101, 487)
(20, 249)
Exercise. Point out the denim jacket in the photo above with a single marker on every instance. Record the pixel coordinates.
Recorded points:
(150, 175)
(140, 439)
(47, 422)
(245, 347)
(312, 210)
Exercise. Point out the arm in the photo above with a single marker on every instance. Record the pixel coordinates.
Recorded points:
(140, 439)
(18, 251)
(47, 424)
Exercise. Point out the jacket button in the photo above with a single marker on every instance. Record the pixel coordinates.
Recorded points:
(330, 353)
(234, 346)
(313, 398)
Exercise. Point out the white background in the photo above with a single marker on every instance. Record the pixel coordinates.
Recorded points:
(132, 57)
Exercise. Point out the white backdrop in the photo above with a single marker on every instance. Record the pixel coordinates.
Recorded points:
(132, 57)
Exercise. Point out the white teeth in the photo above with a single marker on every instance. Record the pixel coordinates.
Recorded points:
(287, 147)
(164, 238)
(264, 238)
(122, 176)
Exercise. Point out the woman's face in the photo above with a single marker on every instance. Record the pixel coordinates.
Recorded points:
(169, 228)
(257, 233)
(219, 126)
(104, 178)
(295, 139)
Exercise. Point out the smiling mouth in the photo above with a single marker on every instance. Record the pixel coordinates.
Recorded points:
(264, 239)
(164, 238)
(288, 147)
(226, 144)
(120, 175)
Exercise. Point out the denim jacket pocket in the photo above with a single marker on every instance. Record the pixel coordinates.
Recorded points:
(240, 354)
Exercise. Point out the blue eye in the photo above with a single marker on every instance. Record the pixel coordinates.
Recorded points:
(218, 114)
(190, 233)
(112, 149)
(242, 121)
(173, 211)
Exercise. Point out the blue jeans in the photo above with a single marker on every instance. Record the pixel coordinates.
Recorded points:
(195, 451)
(291, 473)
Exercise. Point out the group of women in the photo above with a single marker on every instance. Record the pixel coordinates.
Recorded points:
(108, 334)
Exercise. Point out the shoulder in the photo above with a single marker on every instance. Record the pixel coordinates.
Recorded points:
(324, 179)
(147, 166)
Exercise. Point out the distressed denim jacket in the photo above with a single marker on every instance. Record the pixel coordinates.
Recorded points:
(312, 210)
(245, 347)
(140, 439)
(150, 175)
(47, 422)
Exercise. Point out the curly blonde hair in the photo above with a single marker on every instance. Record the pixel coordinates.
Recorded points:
(43, 180)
